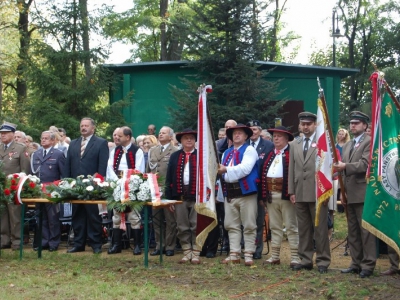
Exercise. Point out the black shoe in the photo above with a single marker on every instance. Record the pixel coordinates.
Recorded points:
(5, 247)
(52, 249)
(322, 270)
(136, 250)
(350, 270)
(155, 252)
(210, 255)
(302, 267)
(365, 273)
(225, 248)
(256, 255)
(43, 248)
(97, 250)
(75, 249)
(169, 253)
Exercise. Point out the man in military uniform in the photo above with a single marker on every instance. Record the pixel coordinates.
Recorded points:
(48, 164)
(303, 194)
(354, 166)
(158, 163)
(15, 159)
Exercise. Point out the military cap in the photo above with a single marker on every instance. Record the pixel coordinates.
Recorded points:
(356, 116)
(307, 116)
(7, 127)
(281, 129)
(253, 123)
(246, 129)
(179, 135)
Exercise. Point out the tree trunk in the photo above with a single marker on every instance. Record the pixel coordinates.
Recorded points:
(163, 28)
(24, 42)
(85, 37)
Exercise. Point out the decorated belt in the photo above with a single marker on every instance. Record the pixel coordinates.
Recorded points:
(274, 184)
(233, 190)
(186, 194)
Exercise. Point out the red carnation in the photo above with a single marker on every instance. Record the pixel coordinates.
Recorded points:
(7, 192)
(145, 176)
(32, 184)
(14, 187)
(15, 175)
(13, 182)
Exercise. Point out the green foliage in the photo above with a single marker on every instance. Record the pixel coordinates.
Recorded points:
(80, 188)
(64, 87)
(224, 42)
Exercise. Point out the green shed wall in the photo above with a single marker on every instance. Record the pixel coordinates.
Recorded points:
(151, 84)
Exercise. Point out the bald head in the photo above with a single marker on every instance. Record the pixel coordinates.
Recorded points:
(230, 123)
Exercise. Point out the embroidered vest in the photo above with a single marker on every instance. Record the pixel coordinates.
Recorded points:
(130, 157)
(249, 183)
(264, 171)
(192, 172)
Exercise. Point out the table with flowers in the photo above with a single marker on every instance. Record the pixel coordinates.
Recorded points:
(133, 190)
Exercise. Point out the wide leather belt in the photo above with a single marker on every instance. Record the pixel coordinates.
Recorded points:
(186, 194)
(233, 190)
(274, 184)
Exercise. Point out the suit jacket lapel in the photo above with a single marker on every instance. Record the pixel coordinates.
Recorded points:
(311, 149)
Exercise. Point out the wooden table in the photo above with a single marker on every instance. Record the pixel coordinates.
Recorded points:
(155, 205)
(28, 201)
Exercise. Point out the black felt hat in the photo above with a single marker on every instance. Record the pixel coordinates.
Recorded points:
(246, 129)
(282, 129)
(179, 135)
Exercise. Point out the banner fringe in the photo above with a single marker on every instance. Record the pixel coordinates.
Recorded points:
(379, 234)
(205, 211)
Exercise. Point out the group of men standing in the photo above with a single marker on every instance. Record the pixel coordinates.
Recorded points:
(254, 174)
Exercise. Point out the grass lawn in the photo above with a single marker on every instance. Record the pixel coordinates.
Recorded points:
(59, 275)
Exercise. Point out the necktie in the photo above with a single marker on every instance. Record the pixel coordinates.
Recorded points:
(161, 149)
(83, 146)
(253, 144)
(187, 157)
(44, 153)
(277, 152)
(352, 147)
(305, 147)
(5, 147)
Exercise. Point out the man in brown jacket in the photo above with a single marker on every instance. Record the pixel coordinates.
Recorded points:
(15, 159)
(354, 164)
(158, 163)
(302, 193)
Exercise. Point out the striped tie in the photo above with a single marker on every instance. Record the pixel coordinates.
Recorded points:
(83, 146)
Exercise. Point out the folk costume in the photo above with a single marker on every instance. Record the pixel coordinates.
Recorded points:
(124, 158)
(274, 172)
(180, 184)
(263, 147)
(240, 189)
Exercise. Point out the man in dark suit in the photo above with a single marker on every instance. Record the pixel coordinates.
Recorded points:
(263, 147)
(87, 155)
(48, 164)
(354, 164)
(15, 159)
(303, 194)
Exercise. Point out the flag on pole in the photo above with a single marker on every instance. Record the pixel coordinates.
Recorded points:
(207, 167)
(324, 161)
(381, 212)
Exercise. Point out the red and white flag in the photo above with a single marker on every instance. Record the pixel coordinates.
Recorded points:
(324, 161)
(207, 167)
